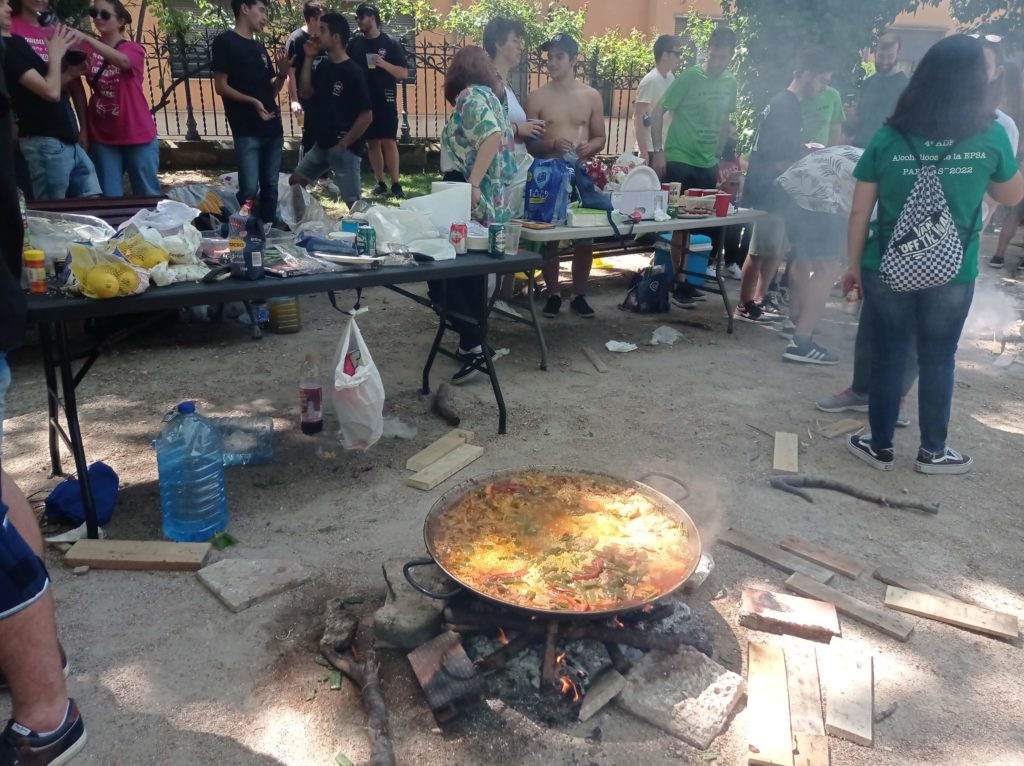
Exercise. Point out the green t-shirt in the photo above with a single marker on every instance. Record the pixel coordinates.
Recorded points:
(820, 114)
(965, 174)
(700, 105)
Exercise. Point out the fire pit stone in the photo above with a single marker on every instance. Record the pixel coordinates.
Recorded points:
(408, 618)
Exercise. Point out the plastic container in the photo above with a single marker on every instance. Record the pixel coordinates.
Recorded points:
(246, 440)
(311, 396)
(697, 259)
(190, 463)
(285, 317)
(247, 244)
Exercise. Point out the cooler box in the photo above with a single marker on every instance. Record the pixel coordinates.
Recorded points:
(698, 257)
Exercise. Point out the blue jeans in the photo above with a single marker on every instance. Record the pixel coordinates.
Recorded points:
(863, 351)
(59, 170)
(259, 162)
(140, 161)
(936, 316)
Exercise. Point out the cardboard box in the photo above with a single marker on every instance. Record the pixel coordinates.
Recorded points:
(646, 201)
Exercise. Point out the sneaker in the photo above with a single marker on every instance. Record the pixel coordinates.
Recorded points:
(947, 461)
(771, 310)
(683, 302)
(773, 303)
(809, 352)
(19, 745)
(788, 329)
(553, 306)
(845, 401)
(507, 308)
(473, 368)
(732, 271)
(684, 290)
(751, 312)
(380, 190)
(860, 446)
(396, 191)
(580, 307)
(711, 272)
(996, 261)
(902, 421)
(465, 356)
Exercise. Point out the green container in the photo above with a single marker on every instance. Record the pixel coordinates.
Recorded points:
(496, 240)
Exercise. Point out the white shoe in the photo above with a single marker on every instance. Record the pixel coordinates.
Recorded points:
(711, 273)
(732, 271)
(501, 305)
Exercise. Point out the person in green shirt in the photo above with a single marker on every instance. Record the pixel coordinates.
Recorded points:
(823, 118)
(946, 109)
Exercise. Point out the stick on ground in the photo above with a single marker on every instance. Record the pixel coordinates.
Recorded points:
(795, 485)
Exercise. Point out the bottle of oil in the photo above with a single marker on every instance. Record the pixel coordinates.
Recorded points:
(311, 396)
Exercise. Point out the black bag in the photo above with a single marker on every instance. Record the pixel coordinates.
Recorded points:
(648, 291)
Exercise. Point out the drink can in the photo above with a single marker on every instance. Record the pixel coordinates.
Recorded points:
(496, 240)
(852, 300)
(457, 236)
(367, 240)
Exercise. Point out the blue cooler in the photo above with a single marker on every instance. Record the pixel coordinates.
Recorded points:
(663, 254)
(698, 257)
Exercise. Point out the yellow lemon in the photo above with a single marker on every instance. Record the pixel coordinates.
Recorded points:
(128, 279)
(102, 283)
(153, 256)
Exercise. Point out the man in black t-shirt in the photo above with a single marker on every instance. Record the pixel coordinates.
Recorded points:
(248, 82)
(778, 143)
(341, 101)
(880, 92)
(383, 62)
(301, 108)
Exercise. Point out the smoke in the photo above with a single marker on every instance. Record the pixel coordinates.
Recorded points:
(993, 312)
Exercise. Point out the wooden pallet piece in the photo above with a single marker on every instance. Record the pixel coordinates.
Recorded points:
(811, 750)
(840, 428)
(787, 453)
(768, 729)
(788, 615)
(1005, 359)
(155, 555)
(849, 684)
(447, 466)
(771, 554)
(953, 612)
(837, 561)
(804, 690)
(434, 452)
(594, 360)
(870, 615)
(907, 580)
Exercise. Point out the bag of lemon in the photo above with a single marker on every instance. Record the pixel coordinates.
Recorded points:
(97, 273)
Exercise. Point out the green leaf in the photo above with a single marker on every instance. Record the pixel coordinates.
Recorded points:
(356, 598)
(334, 678)
(321, 661)
(709, 756)
(223, 540)
(342, 760)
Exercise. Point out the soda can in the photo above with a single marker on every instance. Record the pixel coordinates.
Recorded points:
(457, 236)
(496, 240)
(367, 240)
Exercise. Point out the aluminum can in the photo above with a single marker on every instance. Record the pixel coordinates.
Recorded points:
(457, 236)
(496, 240)
(367, 240)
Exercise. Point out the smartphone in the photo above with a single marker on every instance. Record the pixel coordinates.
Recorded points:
(75, 58)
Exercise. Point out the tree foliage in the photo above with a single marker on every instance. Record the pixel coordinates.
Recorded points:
(1001, 17)
(540, 22)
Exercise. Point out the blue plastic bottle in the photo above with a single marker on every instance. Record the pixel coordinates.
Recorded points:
(191, 467)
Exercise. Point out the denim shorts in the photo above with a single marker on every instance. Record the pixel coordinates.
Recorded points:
(344, 164)
(59, 170)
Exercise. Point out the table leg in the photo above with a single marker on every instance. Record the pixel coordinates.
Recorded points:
(531, 289)
(52, 398)
(489, 362)
(74, 431)
(719, 265)
(438, 337)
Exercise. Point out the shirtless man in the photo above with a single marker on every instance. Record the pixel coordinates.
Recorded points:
(573, 125)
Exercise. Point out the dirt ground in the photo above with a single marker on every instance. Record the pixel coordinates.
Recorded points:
(166, 675)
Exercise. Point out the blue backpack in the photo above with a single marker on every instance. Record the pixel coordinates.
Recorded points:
(648, 291)
(548, 185)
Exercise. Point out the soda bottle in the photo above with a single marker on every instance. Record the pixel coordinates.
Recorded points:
(245, 242)
(311, 396)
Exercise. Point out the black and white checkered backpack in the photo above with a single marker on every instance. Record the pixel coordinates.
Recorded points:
(926, 249)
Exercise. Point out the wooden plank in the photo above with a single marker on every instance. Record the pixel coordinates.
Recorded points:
(771, 554)
(811, 750)
(769, 733)
(440, 470)
(804, 690)
(788, 615)
(433, 452)
(594, 360)
(820, 554)
(907, 580)
(1005, 359)
(856, 609)
(953, 612)
(787, 453)
(158, 555)
(849, 684)
(840, 428)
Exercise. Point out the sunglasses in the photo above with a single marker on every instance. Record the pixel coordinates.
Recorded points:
(97, 13)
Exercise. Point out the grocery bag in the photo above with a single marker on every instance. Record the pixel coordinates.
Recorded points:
(358, 392)
(548, 185)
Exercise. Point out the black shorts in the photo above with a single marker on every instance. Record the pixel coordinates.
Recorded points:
(385, 122)
(690, 176)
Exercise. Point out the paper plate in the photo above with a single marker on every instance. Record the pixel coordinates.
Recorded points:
(642, 178)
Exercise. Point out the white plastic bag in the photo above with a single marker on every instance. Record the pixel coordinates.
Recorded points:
(358, 391)
(168, 218)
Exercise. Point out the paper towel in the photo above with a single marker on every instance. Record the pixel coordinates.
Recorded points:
(447, 203)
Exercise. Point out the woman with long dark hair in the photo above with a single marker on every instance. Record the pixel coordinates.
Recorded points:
(943, 119)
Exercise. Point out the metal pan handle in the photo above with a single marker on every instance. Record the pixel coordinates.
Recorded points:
(422, 563)
(674, 479)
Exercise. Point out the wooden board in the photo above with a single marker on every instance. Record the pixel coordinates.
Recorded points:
(849, 683)
(840, 428)
(1005, 359)
(907, 580)
(811, 750)
(434, 452)
(158, 555)
(594, 360)
(953, 612)
(771, 554)
(769, 734)
(787, 453)
(804, 690)
(788, 615)
(448, 465)
(820, 554)
(856, 609)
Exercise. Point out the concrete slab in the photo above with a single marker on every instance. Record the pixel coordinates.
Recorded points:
(604, 689)
(240, 583)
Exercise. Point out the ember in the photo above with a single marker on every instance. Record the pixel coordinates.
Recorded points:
(502, 637)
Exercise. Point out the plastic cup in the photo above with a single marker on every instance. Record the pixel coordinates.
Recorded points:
(371, 60)
(513, 231)
(722, 200)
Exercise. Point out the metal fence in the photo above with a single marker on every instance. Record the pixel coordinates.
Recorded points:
(180, 89)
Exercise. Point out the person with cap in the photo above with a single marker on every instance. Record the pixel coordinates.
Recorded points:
(573, 116)
(384, 63)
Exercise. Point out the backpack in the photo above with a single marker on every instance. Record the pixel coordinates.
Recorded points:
(926, 248)
(547, 191)
(648, 291)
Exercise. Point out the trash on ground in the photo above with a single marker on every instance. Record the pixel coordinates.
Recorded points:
(666, 335)
(620, 347)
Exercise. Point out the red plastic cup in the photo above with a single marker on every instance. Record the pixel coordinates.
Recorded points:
(722, 201)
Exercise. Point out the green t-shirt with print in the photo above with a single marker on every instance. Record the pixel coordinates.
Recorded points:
(820, 114)
(700, 105)
(965, 174)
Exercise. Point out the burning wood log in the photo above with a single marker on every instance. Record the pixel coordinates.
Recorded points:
(497, 659)
(549, 668)
(619, 661)
(444, 405)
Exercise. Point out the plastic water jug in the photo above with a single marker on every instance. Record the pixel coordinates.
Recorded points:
(191, 468)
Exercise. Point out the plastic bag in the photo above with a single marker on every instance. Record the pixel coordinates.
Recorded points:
(168, 218)
(547, 191)
(399, 225)
(358, 391)
(83, 259)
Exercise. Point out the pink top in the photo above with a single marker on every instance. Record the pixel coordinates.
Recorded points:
(37, 37)
(118, 112)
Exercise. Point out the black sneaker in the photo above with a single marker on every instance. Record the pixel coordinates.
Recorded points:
(996, 261)
(751, 312)
(947, 461)
(473, 368)
(883, 459)
(396, 191)
(685, 290)
(684, 303)
(809, 352)
(581, 308)
(771, 309)
(380, 190)
(467, 355)
(553, 306)
(20, 746)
